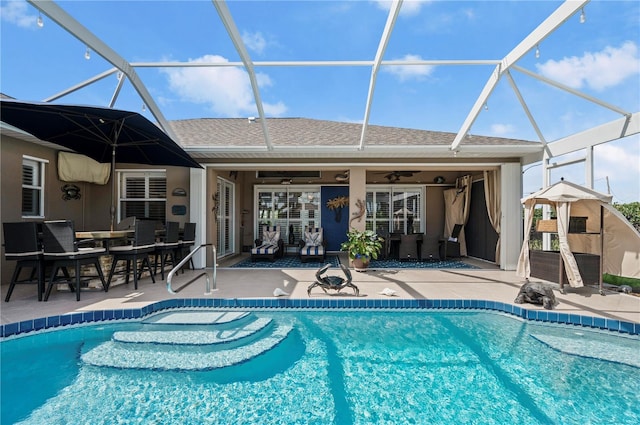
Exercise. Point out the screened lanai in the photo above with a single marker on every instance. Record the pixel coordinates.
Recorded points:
(534, 90)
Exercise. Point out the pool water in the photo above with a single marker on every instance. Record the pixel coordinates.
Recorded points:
(332, 367)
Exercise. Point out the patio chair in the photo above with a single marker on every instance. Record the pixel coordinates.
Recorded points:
(450, 247)
(408, 249)
(139, 250)
(166, 251)
(429, 247)
(188, 240)
(270, 246)
(62, 249)
(335, 283)
(21, 245)
(392, 245)
(312, 245)
(128, 223)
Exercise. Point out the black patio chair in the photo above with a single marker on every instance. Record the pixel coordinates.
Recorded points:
(188, 240)
(408, 250)
(450, 247)
(62, 249)
(21, 245)
(139, 250)
(128, 223)
(166, 251)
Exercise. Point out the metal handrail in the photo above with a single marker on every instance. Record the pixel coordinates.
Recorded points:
(207, 288)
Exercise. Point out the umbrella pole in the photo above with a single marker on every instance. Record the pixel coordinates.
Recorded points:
(114, 187)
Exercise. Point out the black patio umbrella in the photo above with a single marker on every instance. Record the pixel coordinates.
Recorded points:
(104, 134)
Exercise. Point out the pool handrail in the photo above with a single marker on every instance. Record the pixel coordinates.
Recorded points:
(207, 289)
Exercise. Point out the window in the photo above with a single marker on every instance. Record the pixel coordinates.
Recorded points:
(32, 187)
(143, 194)
(285, 207)
(395, 210)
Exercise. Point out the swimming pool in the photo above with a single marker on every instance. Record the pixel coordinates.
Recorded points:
(323, 367)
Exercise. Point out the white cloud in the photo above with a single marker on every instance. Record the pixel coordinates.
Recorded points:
(254, 41)
(621, 156)
(502, 129)
(469, 14)
(408, 8)
(226, 90)
(17, 12)
(409, 72)
(617, 166)
(598, 71)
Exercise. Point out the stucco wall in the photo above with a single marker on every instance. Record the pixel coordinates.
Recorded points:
(90, 212)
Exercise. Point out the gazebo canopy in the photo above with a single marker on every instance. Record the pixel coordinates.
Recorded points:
(608, 233)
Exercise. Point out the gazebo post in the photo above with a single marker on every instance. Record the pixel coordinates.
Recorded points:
(600, 288)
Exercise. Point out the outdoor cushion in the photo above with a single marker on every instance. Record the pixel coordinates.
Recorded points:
(271, 237)
(312, 238)
(266, 248)
(310, 250)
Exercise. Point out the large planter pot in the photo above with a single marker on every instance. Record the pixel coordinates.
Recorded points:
(360, 264)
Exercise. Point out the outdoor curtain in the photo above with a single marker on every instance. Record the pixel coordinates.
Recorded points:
(492, 199)
(457, 202)
(524, 266)
(563, 209)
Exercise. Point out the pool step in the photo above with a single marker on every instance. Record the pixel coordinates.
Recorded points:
(197, 318)
(181, 357)
(585, 347)
(186, 337)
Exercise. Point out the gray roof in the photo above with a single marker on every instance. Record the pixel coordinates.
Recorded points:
(216, 137)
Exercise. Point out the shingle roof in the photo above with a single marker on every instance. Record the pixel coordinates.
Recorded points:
(300, 132)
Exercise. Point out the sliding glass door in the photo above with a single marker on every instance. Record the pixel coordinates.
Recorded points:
(395, 209)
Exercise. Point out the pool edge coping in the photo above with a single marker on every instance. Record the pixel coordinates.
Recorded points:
(75, 318)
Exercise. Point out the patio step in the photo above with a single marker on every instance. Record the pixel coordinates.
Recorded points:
(181, 354)
(185, 337)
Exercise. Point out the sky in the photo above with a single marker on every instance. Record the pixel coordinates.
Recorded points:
(598, 58)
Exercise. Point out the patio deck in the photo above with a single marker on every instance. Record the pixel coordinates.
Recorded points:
(487, 283)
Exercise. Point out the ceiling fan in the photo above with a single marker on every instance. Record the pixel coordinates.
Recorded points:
(342, 177)
(394, 176)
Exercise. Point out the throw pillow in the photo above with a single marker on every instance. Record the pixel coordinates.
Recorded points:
(271, 237)
(313, 238)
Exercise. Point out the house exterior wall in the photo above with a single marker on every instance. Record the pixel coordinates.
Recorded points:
(511, 223)
(177, 177)
(90, 212)
(11, 155)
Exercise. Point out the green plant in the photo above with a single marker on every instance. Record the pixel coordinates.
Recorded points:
(631, 211)
(621, 280)
(362, 244)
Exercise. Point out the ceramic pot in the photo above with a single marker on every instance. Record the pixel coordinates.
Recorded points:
(360, 264)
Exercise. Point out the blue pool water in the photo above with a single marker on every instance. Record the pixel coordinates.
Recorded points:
(332, 367)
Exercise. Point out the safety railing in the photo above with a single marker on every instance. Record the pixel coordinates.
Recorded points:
(207, 288)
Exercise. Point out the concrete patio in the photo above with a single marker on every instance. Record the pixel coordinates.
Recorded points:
(485, 283)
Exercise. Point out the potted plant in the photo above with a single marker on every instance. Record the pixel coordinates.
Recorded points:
(362, 247)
